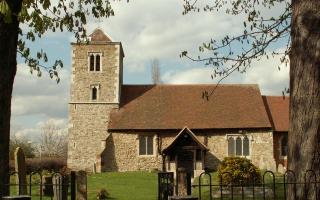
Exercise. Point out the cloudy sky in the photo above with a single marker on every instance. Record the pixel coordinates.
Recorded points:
(148, 29)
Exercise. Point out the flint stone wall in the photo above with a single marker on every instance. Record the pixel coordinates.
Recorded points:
(88, 119)
(122, 150)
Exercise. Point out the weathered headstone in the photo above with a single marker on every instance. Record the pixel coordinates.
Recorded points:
(81, 185)
(20, 168)
(60, 186)
(47, 187)
(57, 186)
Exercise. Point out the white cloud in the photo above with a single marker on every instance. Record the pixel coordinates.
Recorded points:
(264, 73)
(157, 29)
(34, 134)
(34, 95)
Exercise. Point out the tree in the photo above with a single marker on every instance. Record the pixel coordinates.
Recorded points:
(53, 140)
(24, 144)
(299, 25)
(40, 16)
(155, 71)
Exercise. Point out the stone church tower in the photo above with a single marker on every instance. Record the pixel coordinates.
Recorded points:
(95, 90)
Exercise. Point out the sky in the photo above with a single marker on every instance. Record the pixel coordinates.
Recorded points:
(147, 29)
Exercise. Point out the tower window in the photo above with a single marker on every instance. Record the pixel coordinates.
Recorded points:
(98, 62)
(94, 62)
(91, 62)
(94, 92)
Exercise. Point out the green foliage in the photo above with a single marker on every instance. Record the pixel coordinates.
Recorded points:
(237, 170)
(26, 146)
(5, 11)
(42, 16)
(102, 194)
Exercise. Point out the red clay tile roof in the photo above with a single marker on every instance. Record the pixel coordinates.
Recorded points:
(176, 106)
(99, 36)
(278, 111)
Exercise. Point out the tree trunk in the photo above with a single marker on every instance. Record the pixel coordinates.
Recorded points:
(304, 131)
(8, 66)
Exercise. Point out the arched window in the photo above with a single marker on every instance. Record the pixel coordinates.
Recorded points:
(245, 146)
(98, 62)
(91, 62)
(238, 146)
(230, 146)
(94, 95)
(284, 145)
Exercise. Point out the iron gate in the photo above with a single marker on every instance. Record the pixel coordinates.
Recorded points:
(165, 185)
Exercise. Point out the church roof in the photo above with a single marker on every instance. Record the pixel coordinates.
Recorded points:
(278, 111)
(147, 107)
(99, 36)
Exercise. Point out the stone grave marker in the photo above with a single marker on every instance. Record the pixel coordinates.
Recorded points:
(81, 185)
(20, 168)
(57, 186)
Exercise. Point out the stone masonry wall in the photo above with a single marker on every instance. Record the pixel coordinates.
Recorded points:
(88, 119)
(122, 149)
(261, 148)
(108, 78)
(122, 153)
(87, 134)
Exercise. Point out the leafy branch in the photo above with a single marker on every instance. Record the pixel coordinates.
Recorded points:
(236, 53)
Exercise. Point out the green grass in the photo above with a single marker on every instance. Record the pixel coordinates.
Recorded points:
(142, 186)
(124, 185)
(120, 186)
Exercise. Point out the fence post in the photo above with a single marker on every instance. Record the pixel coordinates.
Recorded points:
(73, 185)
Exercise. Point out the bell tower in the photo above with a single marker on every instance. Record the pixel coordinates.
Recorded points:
(95, 90)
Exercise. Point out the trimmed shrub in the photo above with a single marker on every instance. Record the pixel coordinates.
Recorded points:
(49, 164)
(238, 171)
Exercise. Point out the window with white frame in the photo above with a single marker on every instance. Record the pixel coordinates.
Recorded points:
(94, 62)
(238, 145)
(94, 92)
(146, 145)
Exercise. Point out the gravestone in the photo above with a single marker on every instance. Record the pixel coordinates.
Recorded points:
(81, 185)
(47, 187)
(60, 186)
(57, 186)
(20, 168)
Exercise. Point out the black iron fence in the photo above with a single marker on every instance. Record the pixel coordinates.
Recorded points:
(271, 187)
(44, 186)
(165, 185)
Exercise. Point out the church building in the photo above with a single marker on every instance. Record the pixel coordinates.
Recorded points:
(117, 127)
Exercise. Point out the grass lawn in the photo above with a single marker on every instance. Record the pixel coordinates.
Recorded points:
(124, 185)
(143, 186)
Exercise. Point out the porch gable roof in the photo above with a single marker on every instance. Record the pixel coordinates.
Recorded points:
(180, 134)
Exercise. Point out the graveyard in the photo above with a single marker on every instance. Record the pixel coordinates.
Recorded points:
(138, 185)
